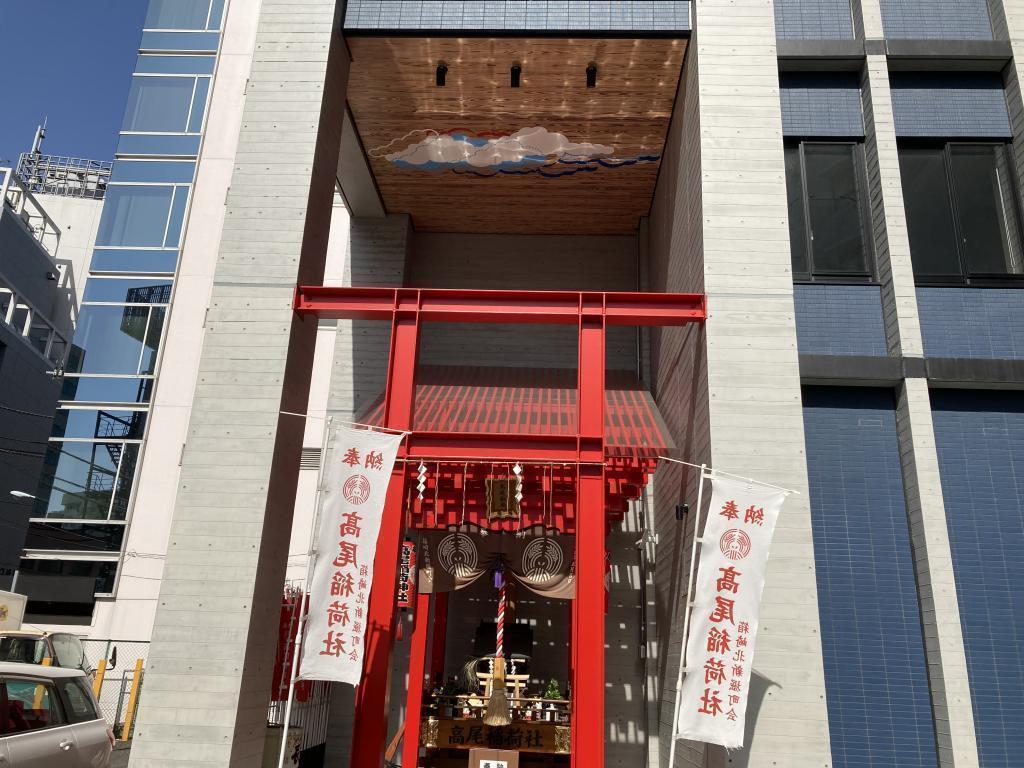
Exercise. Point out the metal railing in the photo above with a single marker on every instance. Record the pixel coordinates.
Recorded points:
(64, 176)
(17, 198)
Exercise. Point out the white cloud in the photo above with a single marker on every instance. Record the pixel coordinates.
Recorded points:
(527, 146)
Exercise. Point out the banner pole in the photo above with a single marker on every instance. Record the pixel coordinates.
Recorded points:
(303, 613)
(686, 615)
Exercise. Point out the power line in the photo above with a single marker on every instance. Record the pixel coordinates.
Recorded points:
(26, 413)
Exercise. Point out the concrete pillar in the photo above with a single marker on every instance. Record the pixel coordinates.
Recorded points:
(378, 255)
(940, 614)
(933, 564)
(720, 224)
(888, 218)
(210, 663)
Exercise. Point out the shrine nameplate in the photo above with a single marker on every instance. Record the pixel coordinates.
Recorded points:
(523, 736)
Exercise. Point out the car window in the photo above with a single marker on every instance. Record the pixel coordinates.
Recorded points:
(31, 705)
(79, 701)
(23, 650)
(68, 650)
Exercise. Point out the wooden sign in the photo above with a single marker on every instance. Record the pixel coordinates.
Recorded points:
(501, 499)
(406, 575)
(521, 736)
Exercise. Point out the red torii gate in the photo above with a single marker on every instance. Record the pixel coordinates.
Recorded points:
(407, 309)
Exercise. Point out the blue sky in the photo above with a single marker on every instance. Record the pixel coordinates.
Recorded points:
(70, 60)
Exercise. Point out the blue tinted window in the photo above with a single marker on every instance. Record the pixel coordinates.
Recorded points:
(177, 218)
(146, 290)
(106, 389)
(116, 339)
(135, 216)
(163, 171)
(175, 65)
(90, 481)
(876, 680)
(195, 122)
(979, 437)
(128, 260)
(177, 14)
(142, 144)
(102, 423)
(180, 41)
(159, 104)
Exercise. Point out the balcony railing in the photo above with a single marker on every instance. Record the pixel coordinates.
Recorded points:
(18, 199)
(64, 176)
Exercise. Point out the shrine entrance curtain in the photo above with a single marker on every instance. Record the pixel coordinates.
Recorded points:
(543, 563)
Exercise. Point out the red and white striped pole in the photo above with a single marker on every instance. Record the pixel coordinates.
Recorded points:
(500, 650)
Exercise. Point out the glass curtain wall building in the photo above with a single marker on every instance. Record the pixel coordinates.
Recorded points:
(84, 501)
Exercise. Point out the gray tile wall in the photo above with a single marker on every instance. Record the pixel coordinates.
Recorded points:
(936, 19)
(839, 320)
(539, 15)
(813, 20)
(949, 105)
(821, 104)
(972, 322)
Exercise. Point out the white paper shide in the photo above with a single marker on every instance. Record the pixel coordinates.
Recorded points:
(727, 601)
(358, 471)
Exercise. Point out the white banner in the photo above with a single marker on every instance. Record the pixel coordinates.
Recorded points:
(358, 471)
(727, 601)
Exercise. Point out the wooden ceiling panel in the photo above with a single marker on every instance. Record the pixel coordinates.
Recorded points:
(549, 157)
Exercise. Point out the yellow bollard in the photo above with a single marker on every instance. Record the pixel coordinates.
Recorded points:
(37, 702)
(133, 699)
(97, 681)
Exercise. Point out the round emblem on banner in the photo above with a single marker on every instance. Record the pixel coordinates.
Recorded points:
(458, 555)
(542, 558)
(735, 544)
(356, 489)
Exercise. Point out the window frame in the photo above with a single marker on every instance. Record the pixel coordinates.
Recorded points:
(870, 274)
(56, 703)
(1013, 208)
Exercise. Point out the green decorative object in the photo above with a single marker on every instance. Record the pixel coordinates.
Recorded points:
(553, 691)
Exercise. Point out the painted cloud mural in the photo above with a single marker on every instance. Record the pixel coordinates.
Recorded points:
(528, 150)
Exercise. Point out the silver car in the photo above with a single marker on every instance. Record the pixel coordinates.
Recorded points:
(49, 719)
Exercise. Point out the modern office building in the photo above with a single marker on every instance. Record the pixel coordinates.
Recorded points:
(839, 181)
(48, 213)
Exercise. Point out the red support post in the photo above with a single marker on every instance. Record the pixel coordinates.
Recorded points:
(588, 616)
(371, 706)
(414, 695)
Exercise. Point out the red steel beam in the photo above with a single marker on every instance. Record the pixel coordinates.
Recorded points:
(520, 307)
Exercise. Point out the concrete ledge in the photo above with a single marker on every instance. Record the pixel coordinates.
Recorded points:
(948, 55)
(820, 55)
(854, 370)
(975, 372)
(845, 370)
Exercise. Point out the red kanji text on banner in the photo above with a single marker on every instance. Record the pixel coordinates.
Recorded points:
(358, 471)
(726, 606)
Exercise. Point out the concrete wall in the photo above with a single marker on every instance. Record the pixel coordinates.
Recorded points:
(227, 555)
(527, 262)
(78, 220)
(719, 223)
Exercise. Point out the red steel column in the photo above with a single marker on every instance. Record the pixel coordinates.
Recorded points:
(369, 727)
(588, 634)
(417, 667)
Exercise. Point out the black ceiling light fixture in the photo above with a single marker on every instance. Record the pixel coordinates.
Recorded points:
(591, 75)
(517, 72)
(440, 74)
